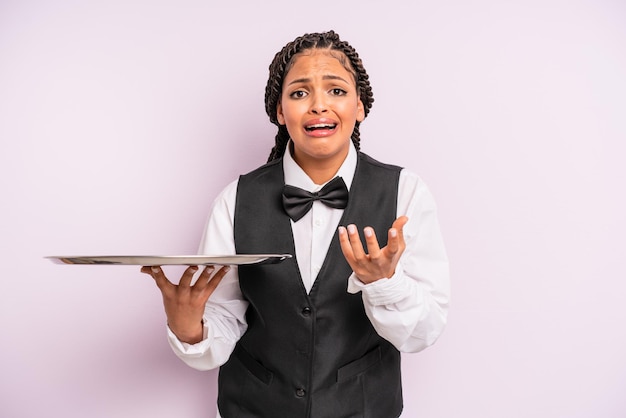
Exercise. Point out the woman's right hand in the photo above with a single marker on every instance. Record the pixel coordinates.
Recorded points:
(184, 303)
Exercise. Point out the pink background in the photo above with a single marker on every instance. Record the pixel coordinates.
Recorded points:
(121, 120)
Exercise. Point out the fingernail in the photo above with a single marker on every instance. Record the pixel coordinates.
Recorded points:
(393, 232)
(155, 269)
(226, 269)
(351, 229)
(342, 230)
(368, 232)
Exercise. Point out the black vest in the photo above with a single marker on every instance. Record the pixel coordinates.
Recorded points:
(310, 355)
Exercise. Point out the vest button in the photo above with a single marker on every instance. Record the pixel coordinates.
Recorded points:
(306, 311)
(300, 392)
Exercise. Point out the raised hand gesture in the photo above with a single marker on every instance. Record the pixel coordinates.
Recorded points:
(378, 262)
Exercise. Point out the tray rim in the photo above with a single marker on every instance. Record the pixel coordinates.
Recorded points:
(170, 260)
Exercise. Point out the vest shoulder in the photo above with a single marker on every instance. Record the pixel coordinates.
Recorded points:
(375, 163)
(276, 166)
(263, 170)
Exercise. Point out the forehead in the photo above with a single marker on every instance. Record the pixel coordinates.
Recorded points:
(313, 61)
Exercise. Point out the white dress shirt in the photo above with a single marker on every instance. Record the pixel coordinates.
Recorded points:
(408, 309)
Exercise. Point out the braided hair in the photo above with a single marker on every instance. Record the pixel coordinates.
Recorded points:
(282, 63)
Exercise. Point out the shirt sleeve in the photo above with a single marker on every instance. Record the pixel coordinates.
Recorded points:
(410, 308)
(224, 314)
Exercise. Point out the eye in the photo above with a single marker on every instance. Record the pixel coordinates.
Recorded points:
(298, 94)
(338, 92)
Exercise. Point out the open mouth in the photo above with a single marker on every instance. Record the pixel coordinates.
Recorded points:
(320, 127)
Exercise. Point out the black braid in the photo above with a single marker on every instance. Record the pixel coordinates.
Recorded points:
(282, 63)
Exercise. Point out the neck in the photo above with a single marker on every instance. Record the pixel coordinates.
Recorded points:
(322, 169)
(320, 175)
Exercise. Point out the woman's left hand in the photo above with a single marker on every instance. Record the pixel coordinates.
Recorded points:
(378, 262)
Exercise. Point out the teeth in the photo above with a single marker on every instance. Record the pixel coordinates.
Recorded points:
(320, 126)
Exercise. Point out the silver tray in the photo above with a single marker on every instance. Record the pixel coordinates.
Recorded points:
(171, 260)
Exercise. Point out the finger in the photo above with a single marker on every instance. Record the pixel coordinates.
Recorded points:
(355, 242)
(157, 274)
(399, 224)
(373, 249)
(344, 242)
(395, 239)
(393, 244)
(216, 279)
(187, 276)
(205, 276)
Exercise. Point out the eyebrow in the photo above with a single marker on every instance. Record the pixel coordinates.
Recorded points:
(326, 77)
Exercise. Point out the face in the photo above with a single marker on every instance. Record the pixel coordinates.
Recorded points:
(320, 106)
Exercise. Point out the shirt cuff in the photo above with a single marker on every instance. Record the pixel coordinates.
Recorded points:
(191, 350)
(386, 291)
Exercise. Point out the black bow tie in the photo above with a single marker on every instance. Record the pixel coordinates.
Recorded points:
(297, 202)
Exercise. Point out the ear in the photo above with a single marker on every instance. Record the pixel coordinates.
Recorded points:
(360, 111)
(279, 114)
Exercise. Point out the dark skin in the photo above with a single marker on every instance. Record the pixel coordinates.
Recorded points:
(378, 262)
(184, 303)
(318, 89)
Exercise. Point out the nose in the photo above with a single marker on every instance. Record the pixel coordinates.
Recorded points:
(318, 104)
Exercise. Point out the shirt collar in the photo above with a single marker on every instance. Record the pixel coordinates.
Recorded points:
(295, 176)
